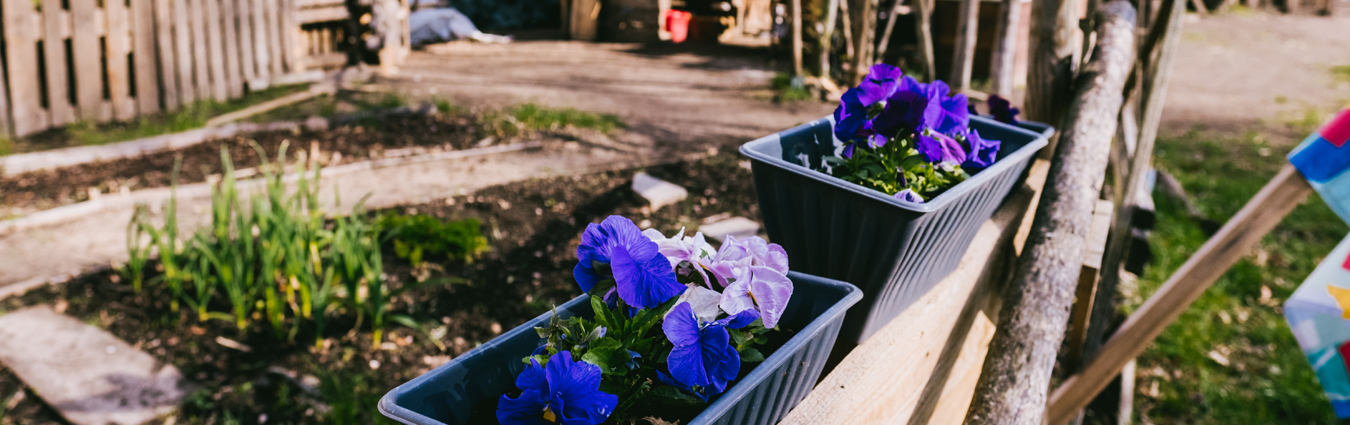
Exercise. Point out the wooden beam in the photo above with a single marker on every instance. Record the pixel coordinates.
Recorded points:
(1005, 48)
(1016, 375)
(922, 366)
(1265, 210)
(1087, 279)
(963, 54)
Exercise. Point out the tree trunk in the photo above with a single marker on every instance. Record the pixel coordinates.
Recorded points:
(1016, 375)
(826, 39)
(1050, 77)
(1005, 48)
(797, 38)
(963, 56)
(886, 33)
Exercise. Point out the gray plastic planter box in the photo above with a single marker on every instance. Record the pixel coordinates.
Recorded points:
(448, 394)
(894, 251)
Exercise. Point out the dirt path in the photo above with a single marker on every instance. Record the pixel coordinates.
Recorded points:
(1258, 72)
(678, 93)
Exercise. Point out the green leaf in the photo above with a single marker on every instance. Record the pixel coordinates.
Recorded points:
(751, 355)
(607, 353)
(672, 396)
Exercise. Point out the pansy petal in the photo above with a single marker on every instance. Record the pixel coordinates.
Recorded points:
(586, 277)
(740, 320)
(955, 114)
(686, 365)
(703, 301)
(909, 195)
(532, 378)
(524, 410)
(680, 325)
(929, 147)
(644, 284)
(589, 408)
(721, 359)
(776, 258)
(736, 298)
(772, 291)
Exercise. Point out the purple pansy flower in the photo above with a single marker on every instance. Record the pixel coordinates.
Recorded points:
(880, 82)
(851, 117)
(983, 152)
(564, 392)
(738, 255)
(703, 355)
(955, 116)
(940, 148)
(680, 248)
(917, 106)
(760, 289)
(1002, 110)
(642, 276)
(909, 195)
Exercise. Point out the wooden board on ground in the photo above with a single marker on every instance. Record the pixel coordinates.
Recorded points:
(922, 367)
(85, 373)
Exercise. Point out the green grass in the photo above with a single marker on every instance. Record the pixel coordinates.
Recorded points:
(515, 120)
(1267, 379)
(785, 91)
(85, 133)
(1341, 73)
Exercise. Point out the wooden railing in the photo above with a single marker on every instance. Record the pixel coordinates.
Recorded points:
(100, 60)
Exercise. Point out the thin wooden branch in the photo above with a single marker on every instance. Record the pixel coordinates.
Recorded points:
(1005, 48)
(963, 54)
(1016, 375)
(886, 34)
(1265, 210)
(924, 30)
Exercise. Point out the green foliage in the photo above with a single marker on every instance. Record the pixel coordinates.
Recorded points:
(6, 145)
(272, 255)
(1341, 72)
(189, 117)
(352, 399)
(1267, 379)
(517, 120)
(895, 167)
(417, 236)
(788, 89)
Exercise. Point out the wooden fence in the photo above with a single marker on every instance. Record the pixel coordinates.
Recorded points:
(100, 60)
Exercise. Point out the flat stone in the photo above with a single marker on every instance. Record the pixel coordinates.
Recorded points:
(739, 227)
(85, 373)
(658, 193)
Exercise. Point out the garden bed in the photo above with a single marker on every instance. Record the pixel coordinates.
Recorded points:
(533, 230)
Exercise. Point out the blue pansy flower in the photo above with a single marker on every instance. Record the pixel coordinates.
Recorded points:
(851, 117)
(565, 391)
(703, 356)
(1002, 110)
(916, 106)
(983, 152)
(643, 277)
(881, 81)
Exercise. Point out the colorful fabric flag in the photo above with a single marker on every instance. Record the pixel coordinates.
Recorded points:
(1323, 158)
(1319, 315)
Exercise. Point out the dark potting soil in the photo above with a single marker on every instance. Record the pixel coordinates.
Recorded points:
(40, 190)
(533, 228)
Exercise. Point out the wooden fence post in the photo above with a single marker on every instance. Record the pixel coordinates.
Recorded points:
(1005, 48)
(963, 54)
(1051, 65)
(1265, 210)
(1016, 375)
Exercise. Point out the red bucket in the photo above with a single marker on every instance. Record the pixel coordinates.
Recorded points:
(677, 22)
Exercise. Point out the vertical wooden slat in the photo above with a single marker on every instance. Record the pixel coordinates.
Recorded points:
(87, 57)
(143, 49)
(291, 36)
(168, 67)
(56, 23)
(274, 30)
(182, 33)
(246, 49)
(200, 56)
(261, 55)
(215, 49)
(21, 48)
(118, 45)
(232, 74)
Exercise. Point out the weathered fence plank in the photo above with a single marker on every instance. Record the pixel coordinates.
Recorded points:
(200, 52)
(143, 56)
(274, 38)
(246, 46)
(167, 51)
(21, 47)
(87, 55)
(261, 55)
(187, 82)
(56, 26)
(117, 45)
(233, 77)
(215, 48)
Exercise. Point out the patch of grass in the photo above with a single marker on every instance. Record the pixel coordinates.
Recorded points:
(419, 236)
(516, 120)
(85, 133)
(6, 146)
(787, 90)
(1238, 321)
(1341, 73)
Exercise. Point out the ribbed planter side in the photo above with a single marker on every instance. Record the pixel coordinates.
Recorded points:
(448, 394)
(894, 251)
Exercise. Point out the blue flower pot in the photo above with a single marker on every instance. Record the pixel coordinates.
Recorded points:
(894, 251)
(448, 394)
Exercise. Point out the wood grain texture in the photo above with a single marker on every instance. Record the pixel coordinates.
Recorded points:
(246, 44)
(182, 35)
(1050, 73)
(274, 38)
(1261, 214)
(56, 26)
(1005, 48)
(145, 56)
(1084, 295)
(963, 52)
(166, 54)
(234, 80)
(87, 56)
(25, 105)
(201, 55)
(118, 45)
(293, 53)
(921, 366)
(215, 49)
(1016, 374)
(261, 55)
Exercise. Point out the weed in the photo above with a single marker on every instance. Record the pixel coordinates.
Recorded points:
(788, 89)
(516, 120)
(417, 236)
